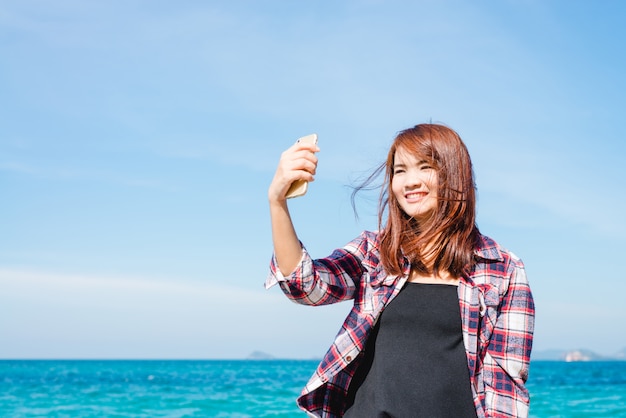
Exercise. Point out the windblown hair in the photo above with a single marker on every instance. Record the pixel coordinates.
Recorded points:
(447, 240)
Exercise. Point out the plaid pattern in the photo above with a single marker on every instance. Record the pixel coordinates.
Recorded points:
(497, 313)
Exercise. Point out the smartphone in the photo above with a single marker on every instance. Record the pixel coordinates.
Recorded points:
(299, 187)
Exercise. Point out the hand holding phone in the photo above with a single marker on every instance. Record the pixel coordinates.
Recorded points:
(299, 187)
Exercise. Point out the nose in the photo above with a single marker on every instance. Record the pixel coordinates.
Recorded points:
(413, 181)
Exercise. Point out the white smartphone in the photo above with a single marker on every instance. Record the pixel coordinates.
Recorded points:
(299, 187)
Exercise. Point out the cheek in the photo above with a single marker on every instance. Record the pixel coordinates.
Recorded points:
(396, 187)
(434, 181)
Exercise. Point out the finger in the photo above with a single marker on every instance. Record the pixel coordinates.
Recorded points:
(291, 169)
(301, 145)
(304, 162)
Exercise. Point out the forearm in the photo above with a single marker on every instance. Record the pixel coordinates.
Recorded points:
(287, 248)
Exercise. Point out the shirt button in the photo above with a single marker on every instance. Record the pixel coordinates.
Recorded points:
(349, 359)
(524, 374)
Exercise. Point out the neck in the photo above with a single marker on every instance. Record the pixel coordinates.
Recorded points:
(442, 277)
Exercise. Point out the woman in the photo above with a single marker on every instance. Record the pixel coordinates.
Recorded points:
(443, 316)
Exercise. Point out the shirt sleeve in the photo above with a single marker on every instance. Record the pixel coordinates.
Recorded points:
(322, 281)
(507, 359)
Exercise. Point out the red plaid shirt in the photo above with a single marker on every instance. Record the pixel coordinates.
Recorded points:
(497, 313)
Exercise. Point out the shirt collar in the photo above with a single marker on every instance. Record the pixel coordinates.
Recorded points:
(488, 249)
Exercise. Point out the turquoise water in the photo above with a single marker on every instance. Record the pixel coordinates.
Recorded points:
(151, 388)
(251, 388)
(577, 390)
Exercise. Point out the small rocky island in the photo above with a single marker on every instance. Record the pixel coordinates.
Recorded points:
(577, 355)
(260, 355)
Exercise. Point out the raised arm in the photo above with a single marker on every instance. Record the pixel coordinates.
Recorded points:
(296, 163)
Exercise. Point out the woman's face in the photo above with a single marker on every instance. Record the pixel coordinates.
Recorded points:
(414, 184)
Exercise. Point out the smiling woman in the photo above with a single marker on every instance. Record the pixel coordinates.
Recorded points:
(443, 317)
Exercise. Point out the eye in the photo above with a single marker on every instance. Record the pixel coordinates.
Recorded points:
(398, 171)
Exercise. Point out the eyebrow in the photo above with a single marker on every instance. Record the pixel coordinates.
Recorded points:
(420, 162)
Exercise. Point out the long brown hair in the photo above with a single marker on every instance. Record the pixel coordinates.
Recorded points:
(446, 241)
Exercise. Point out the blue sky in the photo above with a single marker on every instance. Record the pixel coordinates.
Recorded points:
(138, 140)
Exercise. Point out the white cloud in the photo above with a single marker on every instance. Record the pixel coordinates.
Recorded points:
(50, 315)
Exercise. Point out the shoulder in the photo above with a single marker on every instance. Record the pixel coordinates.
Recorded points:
(496, 264)
(489, 250)
(501, 279)
(366, 242)
(366, 247)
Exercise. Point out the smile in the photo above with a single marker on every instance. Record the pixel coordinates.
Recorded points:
(415, 195)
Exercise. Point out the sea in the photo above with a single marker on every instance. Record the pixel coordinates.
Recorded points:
(252, 388)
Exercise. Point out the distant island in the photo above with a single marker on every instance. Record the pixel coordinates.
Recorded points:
(545, 355)
(577, 355)
(260, 355)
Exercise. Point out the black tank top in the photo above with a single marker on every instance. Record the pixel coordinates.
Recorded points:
(414, 363)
